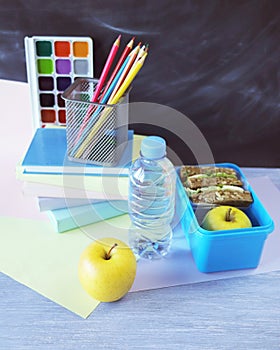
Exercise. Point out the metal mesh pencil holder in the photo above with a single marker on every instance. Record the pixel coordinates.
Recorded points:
(96, 133)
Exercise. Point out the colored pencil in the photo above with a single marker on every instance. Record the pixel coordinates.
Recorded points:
(114, 82)
(128, 80)
(99, 109)
(106, 68)
(124, 55)
(132, 56)
(139, 55)
(131, 75)
(99, 86)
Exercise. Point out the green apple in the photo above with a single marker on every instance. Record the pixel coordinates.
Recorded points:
(107, 269)
(225, 218)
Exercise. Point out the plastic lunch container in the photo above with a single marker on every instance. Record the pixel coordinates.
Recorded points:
(224, 250)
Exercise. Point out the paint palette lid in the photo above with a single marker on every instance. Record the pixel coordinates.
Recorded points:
(53, 63)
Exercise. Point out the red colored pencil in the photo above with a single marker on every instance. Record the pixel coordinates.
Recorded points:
(132, 56)
(106, 68)
(125, 53)
(100, 84)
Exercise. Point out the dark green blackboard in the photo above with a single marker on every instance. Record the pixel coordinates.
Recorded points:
(217, 62)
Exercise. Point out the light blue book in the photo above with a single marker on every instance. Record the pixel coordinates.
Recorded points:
(47, 154)
(69, 218)
(52, 203)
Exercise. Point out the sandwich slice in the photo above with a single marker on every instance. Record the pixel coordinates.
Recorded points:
(195, 177)
(221, 195)
(215, 186)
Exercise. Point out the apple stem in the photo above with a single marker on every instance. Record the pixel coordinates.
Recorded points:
(228, 215)
(108, 255)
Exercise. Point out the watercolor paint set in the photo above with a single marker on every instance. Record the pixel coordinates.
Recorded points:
(53, 64)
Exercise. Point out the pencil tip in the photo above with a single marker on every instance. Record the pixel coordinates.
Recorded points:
(118, 40)
(144, 56)
(131, 42)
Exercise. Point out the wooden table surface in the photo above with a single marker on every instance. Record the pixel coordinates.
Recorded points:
(238, 313)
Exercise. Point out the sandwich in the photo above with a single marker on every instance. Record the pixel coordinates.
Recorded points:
(214, 186)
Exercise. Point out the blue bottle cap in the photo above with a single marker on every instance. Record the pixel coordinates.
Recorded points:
(153, 147)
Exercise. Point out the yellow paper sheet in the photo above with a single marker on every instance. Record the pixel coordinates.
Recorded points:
(34, 255)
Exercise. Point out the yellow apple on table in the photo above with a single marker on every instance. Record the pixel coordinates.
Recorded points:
(107, 269)
(225, 218)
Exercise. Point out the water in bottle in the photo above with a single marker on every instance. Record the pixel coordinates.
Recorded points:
(151, 203)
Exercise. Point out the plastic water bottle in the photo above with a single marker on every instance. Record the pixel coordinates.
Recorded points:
(151, 202)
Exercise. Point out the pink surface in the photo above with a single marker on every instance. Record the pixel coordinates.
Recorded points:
(15, 136)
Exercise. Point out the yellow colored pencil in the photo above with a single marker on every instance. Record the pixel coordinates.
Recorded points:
(131, 75)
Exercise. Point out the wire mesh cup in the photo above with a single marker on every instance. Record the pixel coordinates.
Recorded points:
(96, 132)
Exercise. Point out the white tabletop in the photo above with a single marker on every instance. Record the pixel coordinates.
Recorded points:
(237, 313)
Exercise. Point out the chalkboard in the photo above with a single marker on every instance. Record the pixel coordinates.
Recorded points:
(216, 62)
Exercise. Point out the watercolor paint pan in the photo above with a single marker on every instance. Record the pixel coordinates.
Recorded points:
(52, 64)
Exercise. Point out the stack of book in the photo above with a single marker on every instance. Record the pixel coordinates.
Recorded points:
(74, 194)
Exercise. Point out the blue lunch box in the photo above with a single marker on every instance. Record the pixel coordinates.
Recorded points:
(224, 250)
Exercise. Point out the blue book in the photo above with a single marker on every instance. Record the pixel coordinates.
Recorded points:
(69, 218)
(47, 154)
(51, 203)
